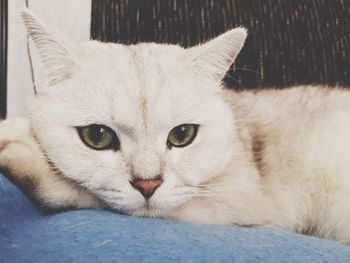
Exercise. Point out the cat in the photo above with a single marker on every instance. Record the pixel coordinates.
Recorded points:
(150, 130)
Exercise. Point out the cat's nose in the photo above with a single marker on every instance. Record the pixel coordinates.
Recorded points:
(147, 187)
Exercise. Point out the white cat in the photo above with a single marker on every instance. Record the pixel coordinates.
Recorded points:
(149, 130)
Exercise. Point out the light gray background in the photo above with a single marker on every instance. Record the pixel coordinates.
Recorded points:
(71, 17)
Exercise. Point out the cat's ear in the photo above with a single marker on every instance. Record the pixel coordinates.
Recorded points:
(214, 58)
(54, 54)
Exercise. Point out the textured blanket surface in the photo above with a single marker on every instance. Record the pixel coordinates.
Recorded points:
(28, 235)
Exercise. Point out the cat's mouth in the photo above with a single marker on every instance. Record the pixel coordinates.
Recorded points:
(160, 204)
(147, 208)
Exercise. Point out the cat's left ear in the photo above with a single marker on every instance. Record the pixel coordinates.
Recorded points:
(58, 60)
(214, 58)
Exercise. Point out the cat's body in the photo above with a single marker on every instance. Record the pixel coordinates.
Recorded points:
(296, 151)
(263, 158)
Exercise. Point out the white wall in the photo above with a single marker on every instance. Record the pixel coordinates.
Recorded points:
(71, 17)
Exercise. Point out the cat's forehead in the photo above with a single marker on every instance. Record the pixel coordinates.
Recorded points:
(138, 84)
(143, 58)
(133, 69)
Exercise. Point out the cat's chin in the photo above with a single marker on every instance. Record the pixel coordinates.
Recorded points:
(146, 209)
(159, 205)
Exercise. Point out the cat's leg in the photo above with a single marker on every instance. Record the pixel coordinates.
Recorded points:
(24, 162)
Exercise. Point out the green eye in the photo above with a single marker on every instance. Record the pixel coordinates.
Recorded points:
(182, 135)
(99, 137)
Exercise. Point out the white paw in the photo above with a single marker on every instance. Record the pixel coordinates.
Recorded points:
(15, 129)
(17, 145)
(23, 159)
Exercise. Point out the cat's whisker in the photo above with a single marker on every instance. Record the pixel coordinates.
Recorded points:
(107, 189)
(221, 183)
(230, 186)
(248, 70)
(236, 81)
(108, 194)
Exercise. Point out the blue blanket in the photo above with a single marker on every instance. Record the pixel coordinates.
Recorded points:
(27, 235)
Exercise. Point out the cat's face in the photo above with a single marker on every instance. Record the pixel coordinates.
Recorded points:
(138, 126)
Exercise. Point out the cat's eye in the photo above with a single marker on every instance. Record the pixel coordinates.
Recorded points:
(182, 135)
(99, 137)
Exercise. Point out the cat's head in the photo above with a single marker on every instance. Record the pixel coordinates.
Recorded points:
(139, 126)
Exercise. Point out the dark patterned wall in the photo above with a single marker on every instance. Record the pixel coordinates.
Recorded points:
(290, 42)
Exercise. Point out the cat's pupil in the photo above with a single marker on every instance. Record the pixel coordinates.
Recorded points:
(96, 134)
(181, 133)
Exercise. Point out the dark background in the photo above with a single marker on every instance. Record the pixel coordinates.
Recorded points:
(290, 41)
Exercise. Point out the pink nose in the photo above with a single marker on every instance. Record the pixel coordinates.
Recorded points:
(146, 187)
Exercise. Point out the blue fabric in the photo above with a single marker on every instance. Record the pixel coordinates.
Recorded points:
(26, 235)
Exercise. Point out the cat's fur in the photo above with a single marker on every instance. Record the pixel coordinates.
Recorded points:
(262, 158)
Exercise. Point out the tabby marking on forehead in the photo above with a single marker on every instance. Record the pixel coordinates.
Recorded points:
(142, 81)
(150, 78)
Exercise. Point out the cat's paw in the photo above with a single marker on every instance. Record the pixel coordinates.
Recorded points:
(13, 130)
(18, 149)
(25, 163)
(20, 156)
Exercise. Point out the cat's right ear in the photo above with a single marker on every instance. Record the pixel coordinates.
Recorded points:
(214, 58)
(56, 57)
